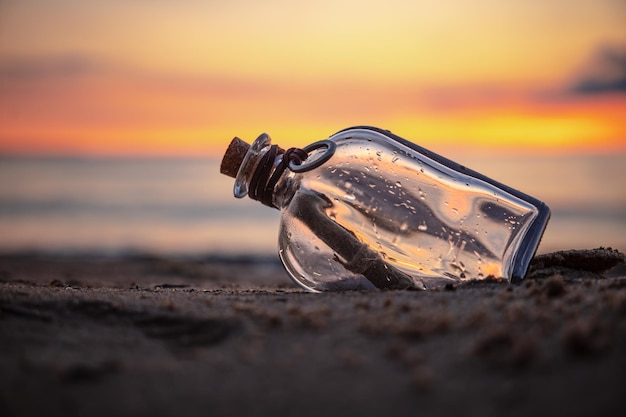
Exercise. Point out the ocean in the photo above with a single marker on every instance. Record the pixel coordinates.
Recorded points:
(185, 207)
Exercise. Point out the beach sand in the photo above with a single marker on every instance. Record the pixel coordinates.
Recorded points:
(149, 336)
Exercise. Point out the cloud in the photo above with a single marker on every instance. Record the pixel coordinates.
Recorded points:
(21, 68)
(605, 73)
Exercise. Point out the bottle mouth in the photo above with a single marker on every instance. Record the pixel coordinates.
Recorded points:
(248, 165)
(233, 157)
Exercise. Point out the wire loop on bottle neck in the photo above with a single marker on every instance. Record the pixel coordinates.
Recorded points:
(330, 146)
(266, 177)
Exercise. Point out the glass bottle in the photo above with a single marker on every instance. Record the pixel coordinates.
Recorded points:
(367, 209)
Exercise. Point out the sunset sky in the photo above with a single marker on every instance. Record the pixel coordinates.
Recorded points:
(141, 77)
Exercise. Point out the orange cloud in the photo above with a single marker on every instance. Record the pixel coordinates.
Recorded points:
(74, 105)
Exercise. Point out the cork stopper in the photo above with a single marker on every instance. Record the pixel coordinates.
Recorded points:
(233, 157)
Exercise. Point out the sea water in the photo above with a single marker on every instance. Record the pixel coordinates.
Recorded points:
(185, 207)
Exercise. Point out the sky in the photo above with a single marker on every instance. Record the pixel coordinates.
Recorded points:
(181, 78)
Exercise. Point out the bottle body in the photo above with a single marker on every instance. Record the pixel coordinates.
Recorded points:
(385, 213)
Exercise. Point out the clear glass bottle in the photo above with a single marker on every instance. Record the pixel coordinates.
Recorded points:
(367, 209)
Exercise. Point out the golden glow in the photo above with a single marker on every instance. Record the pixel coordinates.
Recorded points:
(491, 269)
(183, 78)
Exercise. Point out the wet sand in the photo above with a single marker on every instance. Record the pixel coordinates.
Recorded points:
(147, 336)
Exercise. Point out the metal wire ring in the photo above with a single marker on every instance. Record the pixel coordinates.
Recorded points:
(307, 166)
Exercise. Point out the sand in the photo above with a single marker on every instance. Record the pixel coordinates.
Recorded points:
(148, 336)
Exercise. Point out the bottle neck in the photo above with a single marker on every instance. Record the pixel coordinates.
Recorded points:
(263, 175)
(268, 173)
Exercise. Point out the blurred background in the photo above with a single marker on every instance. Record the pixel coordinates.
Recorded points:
(114, 114)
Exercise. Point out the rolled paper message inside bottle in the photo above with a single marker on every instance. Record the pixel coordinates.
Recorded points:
(367, 209)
